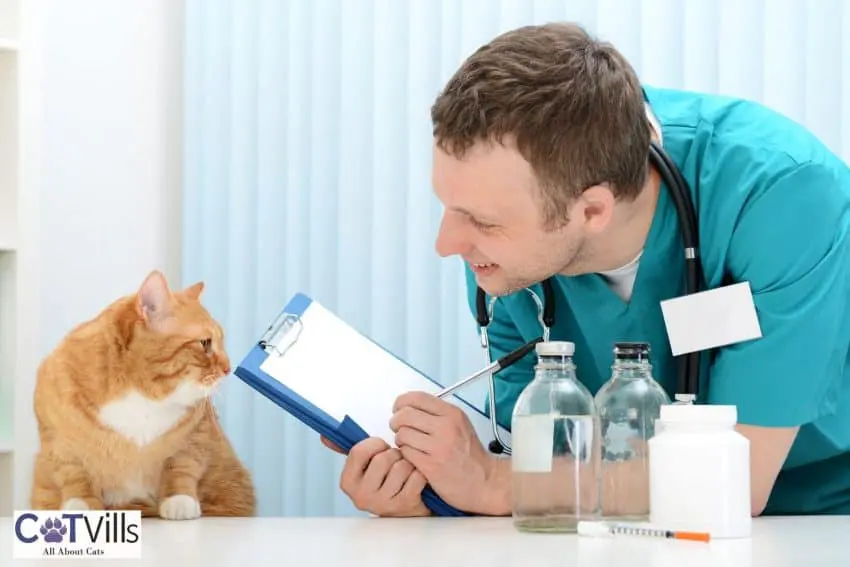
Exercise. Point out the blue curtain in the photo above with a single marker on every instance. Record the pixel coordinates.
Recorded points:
(307, 165)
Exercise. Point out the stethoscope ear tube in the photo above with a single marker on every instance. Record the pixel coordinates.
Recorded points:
(548, 303)
(688, 385)
(483, 318)
(481, 308)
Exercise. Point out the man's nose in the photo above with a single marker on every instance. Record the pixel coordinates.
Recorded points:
(450, 240)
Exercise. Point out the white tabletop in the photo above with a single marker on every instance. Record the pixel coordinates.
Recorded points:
(437, 542)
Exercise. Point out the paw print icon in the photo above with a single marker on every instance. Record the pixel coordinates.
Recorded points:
(53, 530)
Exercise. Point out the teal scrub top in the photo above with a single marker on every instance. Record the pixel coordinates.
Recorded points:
(774, 210)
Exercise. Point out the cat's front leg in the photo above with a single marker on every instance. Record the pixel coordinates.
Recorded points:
(75, 486)
(179, 492)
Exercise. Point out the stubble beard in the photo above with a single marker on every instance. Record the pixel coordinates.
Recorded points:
(566, 261)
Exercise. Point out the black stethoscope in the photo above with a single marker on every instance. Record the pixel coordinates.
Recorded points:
(690, 363)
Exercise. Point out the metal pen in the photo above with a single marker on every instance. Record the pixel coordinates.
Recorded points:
(492, 368)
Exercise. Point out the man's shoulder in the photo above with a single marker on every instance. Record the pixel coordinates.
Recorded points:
(732, 150)
(723, 131)
(752, 170)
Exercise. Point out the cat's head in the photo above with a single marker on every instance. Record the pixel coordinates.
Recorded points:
(177, 345)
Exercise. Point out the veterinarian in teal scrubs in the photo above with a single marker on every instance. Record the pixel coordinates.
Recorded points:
(541, 147)
(774, 210)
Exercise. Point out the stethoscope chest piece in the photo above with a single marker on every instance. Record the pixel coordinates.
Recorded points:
(546, 318)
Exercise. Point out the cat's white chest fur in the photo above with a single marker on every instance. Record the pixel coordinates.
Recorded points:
(142, 419)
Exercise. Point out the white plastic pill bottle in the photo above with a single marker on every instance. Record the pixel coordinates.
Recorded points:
(699, 471)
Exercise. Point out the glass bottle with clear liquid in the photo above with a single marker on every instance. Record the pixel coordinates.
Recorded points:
(556, 446)
(629, 405)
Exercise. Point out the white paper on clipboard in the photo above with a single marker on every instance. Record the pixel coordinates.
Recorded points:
(345, 373)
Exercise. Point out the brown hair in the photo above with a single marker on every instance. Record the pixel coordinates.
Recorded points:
(573, 106)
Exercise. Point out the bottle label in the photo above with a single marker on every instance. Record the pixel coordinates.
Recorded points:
(532, 439)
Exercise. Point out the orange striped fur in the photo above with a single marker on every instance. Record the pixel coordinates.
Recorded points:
(124, 413)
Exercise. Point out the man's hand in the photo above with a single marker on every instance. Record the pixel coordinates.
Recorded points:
(438, 439)
(378, 480)
(330, 445)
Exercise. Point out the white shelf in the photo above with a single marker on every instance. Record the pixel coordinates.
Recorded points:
(9, 265)
(7, 233)
(9, 20)
(8, 149)
(8, 270)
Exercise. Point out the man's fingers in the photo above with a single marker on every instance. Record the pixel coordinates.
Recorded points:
(413, 487)
(415, 439)
(363, 452)
(425, 402)
(332, 446)
(378, 469)
(414, 418)
(358, 460)
(396, 478)
(417, 458)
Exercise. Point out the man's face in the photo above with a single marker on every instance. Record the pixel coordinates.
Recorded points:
(493, 219)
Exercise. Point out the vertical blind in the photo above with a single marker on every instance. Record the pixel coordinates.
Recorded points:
(307, 165)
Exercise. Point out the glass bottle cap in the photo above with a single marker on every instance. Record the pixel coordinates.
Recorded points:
(555, 348)
(632, 351)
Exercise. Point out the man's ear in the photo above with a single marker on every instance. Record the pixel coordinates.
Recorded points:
(597, 207)
(153, 300)
(194, 291)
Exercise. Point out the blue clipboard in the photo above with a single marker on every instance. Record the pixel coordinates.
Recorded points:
(346, 432)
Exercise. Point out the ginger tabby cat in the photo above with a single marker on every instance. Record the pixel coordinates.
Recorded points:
(125, 418)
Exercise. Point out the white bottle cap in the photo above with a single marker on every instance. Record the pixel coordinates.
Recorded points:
(555, 348)
(695, 413)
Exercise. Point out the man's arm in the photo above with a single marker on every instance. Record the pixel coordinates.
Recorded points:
(791, 244)
(769, 448)
(438, 439)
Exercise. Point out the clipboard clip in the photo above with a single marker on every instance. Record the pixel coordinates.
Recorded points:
(283, 332)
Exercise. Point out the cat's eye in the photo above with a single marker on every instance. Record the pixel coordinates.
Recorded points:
(207, 344)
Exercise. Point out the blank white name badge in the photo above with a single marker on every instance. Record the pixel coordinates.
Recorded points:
(710, 319)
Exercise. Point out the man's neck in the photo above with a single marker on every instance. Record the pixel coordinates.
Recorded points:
(629, 231)
(632, 223)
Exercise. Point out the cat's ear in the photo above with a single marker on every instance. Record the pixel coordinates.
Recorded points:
(194, 291)
(153, 300)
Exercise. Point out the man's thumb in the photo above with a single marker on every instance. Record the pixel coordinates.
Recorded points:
(330, 445)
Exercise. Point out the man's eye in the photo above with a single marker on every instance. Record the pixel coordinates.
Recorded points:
(481, 225)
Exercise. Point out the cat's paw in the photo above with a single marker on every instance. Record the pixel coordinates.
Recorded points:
(180, 507)
(75, 504)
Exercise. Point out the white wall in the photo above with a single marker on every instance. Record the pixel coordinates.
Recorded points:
(101, 177)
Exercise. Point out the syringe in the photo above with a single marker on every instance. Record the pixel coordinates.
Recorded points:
(607, 529)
